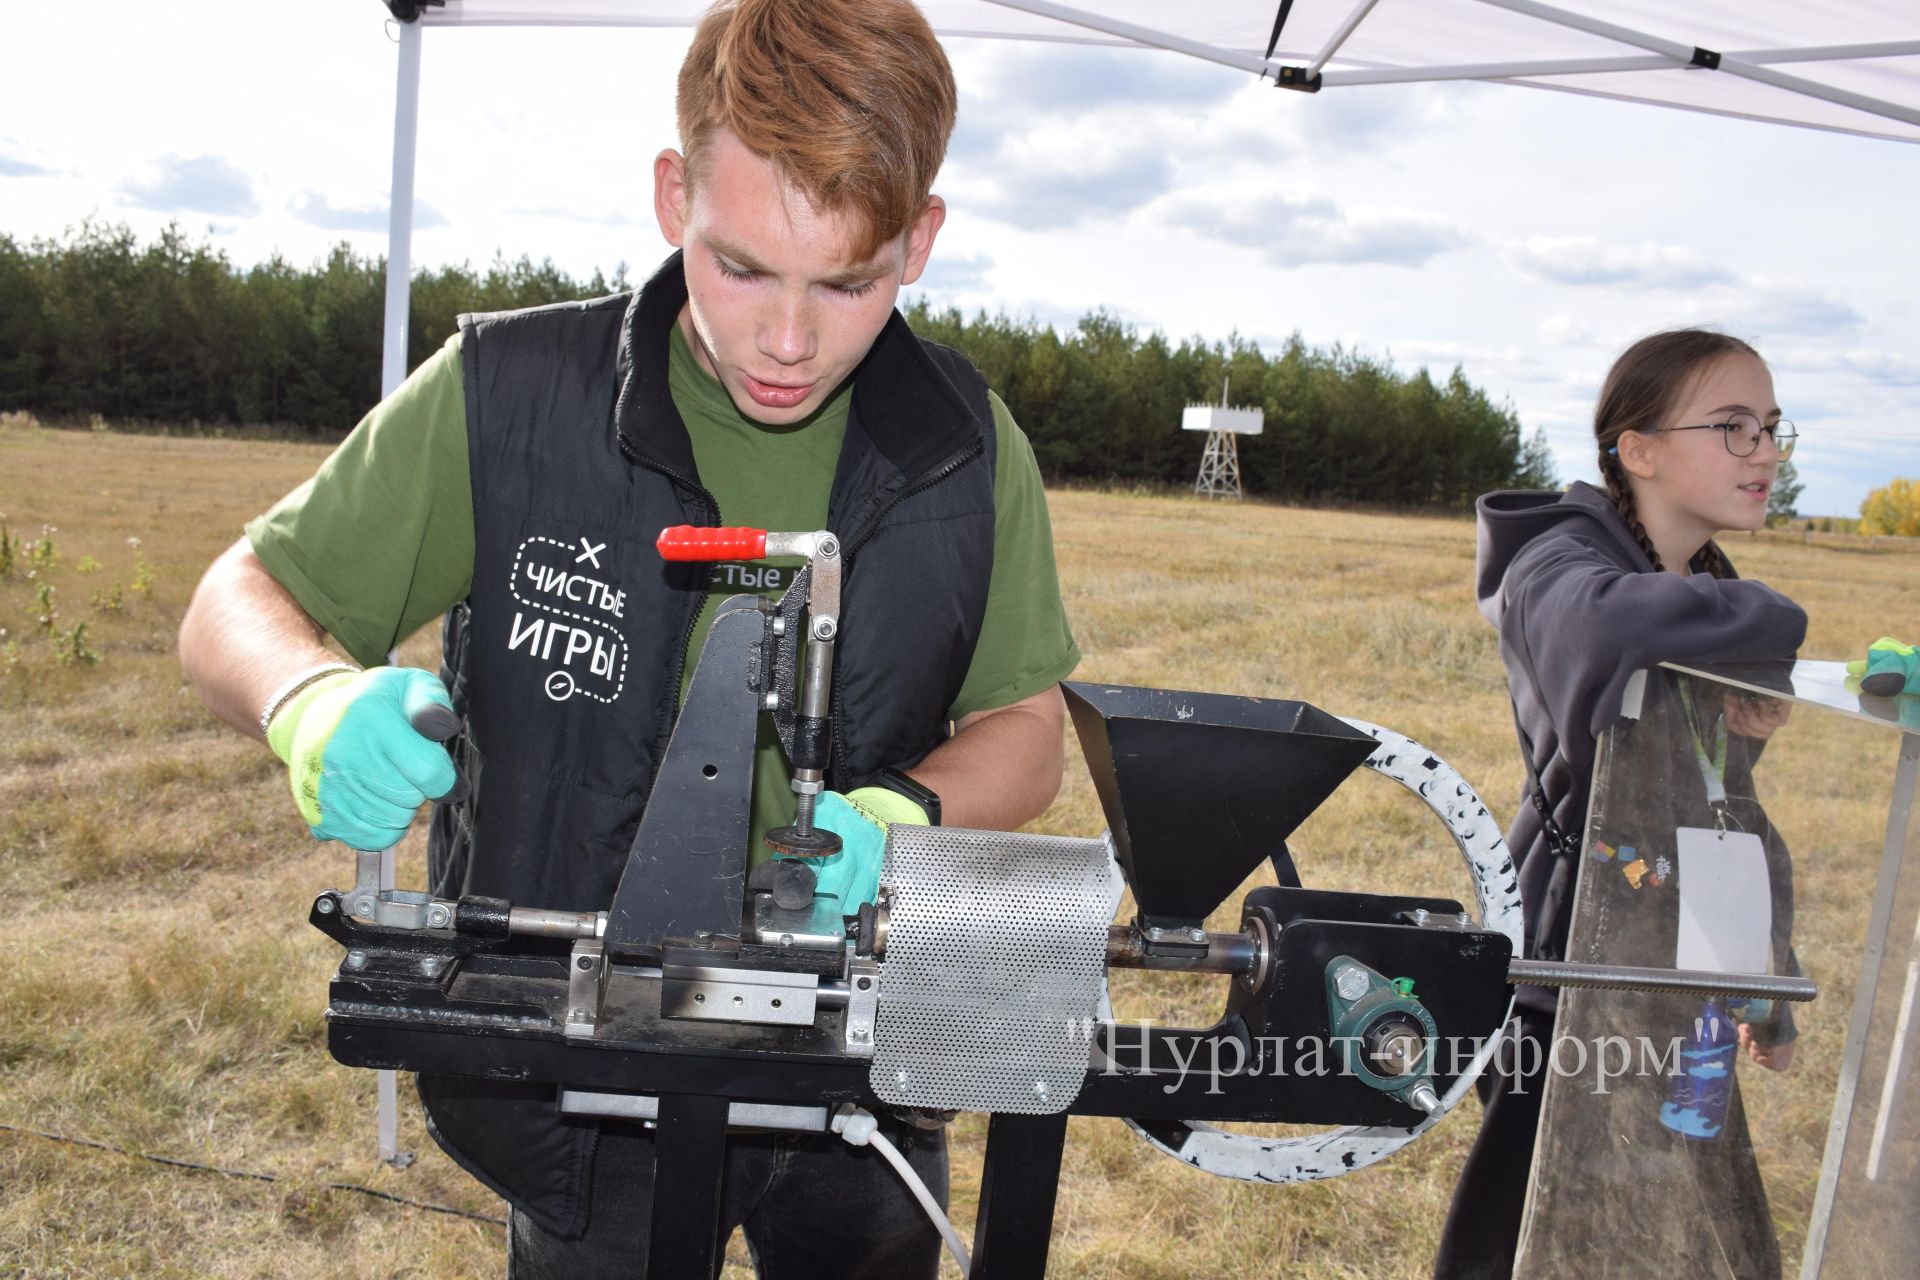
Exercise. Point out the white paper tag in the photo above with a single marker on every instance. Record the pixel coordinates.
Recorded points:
(1726, 902)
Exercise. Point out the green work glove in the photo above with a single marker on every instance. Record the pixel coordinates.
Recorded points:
(860, 818)
(363, 752)
(1889, 668)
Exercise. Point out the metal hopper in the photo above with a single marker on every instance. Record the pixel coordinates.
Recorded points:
(1199, 788)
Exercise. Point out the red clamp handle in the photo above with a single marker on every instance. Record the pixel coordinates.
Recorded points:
(701, 542)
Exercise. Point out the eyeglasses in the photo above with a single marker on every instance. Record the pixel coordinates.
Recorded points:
(1741, 434)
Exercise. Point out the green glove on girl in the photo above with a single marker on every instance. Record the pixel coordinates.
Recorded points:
(1890, 668)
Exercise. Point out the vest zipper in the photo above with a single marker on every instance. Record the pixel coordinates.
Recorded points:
(706, 582)
(926, 481)
(851, 545)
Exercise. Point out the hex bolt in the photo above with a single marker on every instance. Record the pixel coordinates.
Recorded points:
(578, 1015)
(356, 960)
(1350, 982)
(430, 965)
(779, 624)
(824, 628)
(1197, 934)
(858, 1035)
(827, 548)
(1421, 915)
(324, 904)
(771, 702)
(1423, 1097)
(1466, 920)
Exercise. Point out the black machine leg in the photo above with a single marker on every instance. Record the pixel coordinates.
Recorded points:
(689, 1160)
(1283, 869)
(1017, 1188)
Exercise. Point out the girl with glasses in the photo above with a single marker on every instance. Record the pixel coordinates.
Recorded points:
(1587, 587)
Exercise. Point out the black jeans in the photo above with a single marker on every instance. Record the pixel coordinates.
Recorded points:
(1482, 1231)
(810, 1204)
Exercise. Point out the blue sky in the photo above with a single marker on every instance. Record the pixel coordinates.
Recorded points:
(1526, 236)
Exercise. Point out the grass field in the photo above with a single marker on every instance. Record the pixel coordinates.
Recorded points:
(160, 990)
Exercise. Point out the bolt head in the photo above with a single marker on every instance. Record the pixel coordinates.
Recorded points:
(437, 918)
(356, 959)
(1040, 1089)
(1197, 934)
(1350, 982)
(823, 628)
(324, 904)
(1421, 915)
(584, 962)
(859, 1035)
(900, 1078)
(430, 965)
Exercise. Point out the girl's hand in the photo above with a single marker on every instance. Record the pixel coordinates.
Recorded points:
(1774, 1057)
(1754, 715)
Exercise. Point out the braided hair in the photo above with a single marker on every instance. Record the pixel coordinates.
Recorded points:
(1641, 389)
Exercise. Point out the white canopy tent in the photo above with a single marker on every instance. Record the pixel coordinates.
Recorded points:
(1849, 66)
(1846, 66)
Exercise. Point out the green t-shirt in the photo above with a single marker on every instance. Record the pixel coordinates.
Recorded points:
(380, 541)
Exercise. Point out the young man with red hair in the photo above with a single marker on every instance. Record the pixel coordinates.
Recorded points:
(762, 377)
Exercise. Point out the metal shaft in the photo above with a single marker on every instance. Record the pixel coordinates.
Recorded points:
(1233, 953)
(1238, 953)
(540, 922)
(1620, 977)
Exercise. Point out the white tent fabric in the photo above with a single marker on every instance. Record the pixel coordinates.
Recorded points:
(1847, 65)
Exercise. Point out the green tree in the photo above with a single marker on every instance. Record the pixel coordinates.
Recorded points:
(1537, 469)
(1784, 494)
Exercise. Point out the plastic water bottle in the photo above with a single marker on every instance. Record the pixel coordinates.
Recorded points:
(1696, 1105)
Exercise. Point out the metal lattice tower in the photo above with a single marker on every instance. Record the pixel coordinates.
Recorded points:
(1219, 467)
(1220, 464)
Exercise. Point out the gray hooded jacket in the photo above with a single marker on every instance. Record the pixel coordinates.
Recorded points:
(1580, 608)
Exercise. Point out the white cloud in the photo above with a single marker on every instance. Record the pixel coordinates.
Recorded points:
(1291, 230)
(1564, 331)
(1584, 260)
(1889, 368)
(194, 184)
(317, 210)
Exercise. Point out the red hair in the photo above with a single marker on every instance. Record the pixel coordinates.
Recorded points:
(851, 100)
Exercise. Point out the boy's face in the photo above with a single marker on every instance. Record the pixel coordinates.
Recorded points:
(775, 309)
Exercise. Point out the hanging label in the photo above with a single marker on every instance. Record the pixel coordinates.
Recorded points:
(1726, 902)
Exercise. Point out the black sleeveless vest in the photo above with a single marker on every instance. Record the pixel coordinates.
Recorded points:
(564, 662)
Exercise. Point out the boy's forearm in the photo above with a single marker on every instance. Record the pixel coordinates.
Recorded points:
(245, 636)
(1002, 767)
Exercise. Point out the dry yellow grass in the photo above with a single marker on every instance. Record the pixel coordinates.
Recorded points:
(160, 990)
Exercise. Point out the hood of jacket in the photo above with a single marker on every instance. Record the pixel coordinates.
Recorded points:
(1513, 518)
